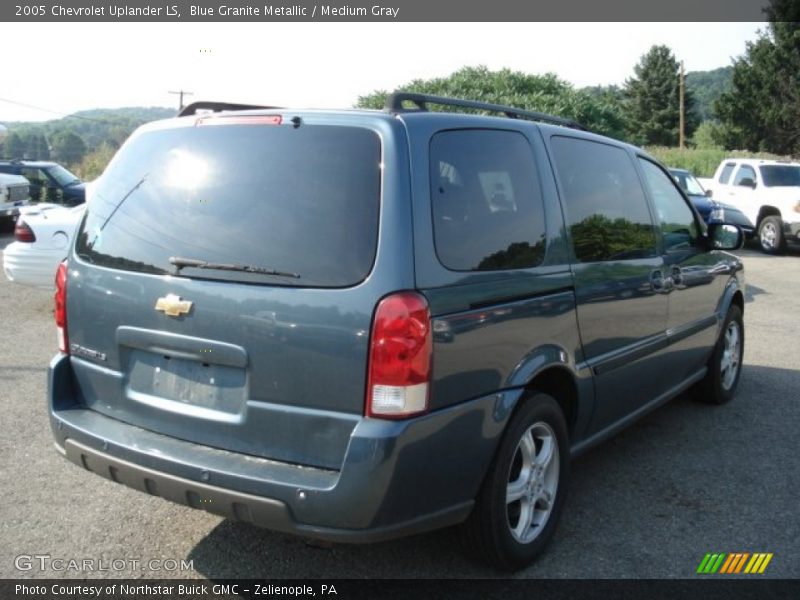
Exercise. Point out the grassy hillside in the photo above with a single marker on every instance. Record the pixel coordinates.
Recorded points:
(97, 127)
(701, 161)
(84, 141)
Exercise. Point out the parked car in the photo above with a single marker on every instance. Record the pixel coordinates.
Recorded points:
(49, 181)
(14, 193)
(768, 192)
(711, 210)
(42, 236)
(327, 323)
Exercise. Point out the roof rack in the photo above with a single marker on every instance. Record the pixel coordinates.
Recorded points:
(394, 103)
(217, 107)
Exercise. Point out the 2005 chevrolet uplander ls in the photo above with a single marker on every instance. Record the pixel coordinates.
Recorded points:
(355, 325)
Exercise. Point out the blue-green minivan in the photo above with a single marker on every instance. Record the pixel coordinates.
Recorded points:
(355, 325)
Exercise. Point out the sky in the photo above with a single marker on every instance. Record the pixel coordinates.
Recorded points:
(109, 65)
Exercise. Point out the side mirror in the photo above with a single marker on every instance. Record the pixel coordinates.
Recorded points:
(709, 193)
(747, 182)
(725, 237)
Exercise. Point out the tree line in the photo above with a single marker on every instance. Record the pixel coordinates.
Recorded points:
(84, 141)
(752, 105)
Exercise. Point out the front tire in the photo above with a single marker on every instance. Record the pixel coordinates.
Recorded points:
(725, 364)
(520, 501)
(770, 235)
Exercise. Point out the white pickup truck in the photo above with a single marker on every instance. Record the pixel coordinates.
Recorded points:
(766, 191)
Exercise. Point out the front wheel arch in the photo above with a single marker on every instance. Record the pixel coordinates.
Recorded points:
(720, 383)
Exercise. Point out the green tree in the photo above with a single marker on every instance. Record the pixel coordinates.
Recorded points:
(653, 101)
(14, 145)
(708, 135)
(95, 162)
(706, 87)
(762, 110)
(68, 147)
(541, 93)
(95, 127)
(36, 147)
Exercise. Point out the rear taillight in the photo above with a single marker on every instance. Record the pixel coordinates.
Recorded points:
(23, 232)
(400, 357)
(61, 307)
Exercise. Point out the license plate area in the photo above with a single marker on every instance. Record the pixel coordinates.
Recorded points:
(185, 382)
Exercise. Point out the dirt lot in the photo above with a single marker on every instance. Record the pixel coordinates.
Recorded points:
(686, 480)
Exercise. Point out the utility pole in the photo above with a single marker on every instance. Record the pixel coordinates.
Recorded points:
(181, 94)
(682, 123)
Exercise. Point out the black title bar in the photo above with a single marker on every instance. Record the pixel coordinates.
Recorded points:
(382, 11)
(708, 588)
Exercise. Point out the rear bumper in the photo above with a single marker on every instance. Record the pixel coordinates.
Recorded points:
(397, 478)
(10, 210)
(31, 266)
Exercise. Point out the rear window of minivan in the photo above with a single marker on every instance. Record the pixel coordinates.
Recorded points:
(299, 200)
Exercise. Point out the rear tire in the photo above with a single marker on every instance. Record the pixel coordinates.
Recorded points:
(770, 235)
(520, 501)
(725, 364)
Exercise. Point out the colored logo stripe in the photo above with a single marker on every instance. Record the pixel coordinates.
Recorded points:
(758, 563)
(711, 563)
(734, 562)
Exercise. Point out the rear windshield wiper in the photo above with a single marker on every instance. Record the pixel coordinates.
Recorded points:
(180, 263)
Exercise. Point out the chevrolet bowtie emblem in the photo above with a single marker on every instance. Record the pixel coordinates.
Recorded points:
(173, 306)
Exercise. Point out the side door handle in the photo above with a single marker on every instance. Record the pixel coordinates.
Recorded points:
(722, 269)
(677, 277)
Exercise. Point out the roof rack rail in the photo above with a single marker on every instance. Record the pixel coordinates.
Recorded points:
(394, 103)
(217, 107)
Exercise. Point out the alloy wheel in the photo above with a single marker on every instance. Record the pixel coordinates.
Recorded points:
(731, 355)
(532, 482)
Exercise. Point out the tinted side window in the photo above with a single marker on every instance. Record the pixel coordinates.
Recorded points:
(726, 172)
(744, 172)
(486, 201)
(780, 175)
(607, 213)
(678, 226)
(34, 175)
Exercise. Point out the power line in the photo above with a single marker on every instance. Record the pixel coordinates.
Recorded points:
(55, 112)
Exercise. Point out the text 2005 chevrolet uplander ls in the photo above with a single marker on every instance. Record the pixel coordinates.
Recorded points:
(354, 325)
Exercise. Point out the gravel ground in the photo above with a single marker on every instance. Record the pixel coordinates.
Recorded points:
(685, 480)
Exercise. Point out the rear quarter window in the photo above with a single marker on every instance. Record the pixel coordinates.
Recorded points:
(486, 201)
(780, 175)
